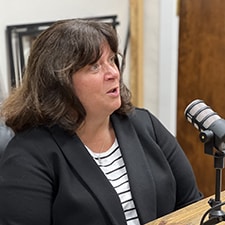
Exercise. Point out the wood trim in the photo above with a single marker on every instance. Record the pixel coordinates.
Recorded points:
(136, 52)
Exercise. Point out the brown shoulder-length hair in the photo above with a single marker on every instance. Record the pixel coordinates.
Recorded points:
(46, 96)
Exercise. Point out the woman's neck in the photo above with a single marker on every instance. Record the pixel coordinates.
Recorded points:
(96, 135)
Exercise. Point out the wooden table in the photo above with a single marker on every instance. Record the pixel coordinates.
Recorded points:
(190, 215)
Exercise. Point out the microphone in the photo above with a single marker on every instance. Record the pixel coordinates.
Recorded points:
(208, 122)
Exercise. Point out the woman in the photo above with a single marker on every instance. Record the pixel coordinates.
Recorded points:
(82, 154)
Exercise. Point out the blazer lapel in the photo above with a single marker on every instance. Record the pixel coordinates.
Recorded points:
(81, 162)
(140, 177)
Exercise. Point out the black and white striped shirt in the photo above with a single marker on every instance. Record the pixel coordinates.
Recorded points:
(112, 164)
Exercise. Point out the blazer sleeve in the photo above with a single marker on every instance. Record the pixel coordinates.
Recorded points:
(187, 191)
(26, 187)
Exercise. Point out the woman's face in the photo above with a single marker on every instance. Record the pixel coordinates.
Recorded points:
(98, 85)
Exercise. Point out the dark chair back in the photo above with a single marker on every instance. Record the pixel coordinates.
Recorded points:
(6, 135)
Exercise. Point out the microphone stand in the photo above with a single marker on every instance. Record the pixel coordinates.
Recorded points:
(216, 215)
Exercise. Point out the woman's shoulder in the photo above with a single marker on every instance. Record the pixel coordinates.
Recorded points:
(33, 133)
(41, 137)
(32, 139)
(30, 151)
(145, 121)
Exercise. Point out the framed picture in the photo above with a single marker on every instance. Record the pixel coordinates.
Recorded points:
(20, 39)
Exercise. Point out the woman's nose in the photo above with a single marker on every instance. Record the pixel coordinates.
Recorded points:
(112, 72)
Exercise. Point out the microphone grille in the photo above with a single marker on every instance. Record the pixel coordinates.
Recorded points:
(200, 115)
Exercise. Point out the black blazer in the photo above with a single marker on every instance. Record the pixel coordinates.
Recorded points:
(48, 177)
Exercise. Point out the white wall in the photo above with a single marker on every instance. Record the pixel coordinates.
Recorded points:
(151, 54)
(168, 64)
(160, 41)
(161, 25)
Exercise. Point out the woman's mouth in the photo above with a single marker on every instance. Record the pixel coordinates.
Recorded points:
(114, 92)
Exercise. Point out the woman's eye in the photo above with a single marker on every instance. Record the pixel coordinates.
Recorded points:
(112, 58)
(94, 66)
